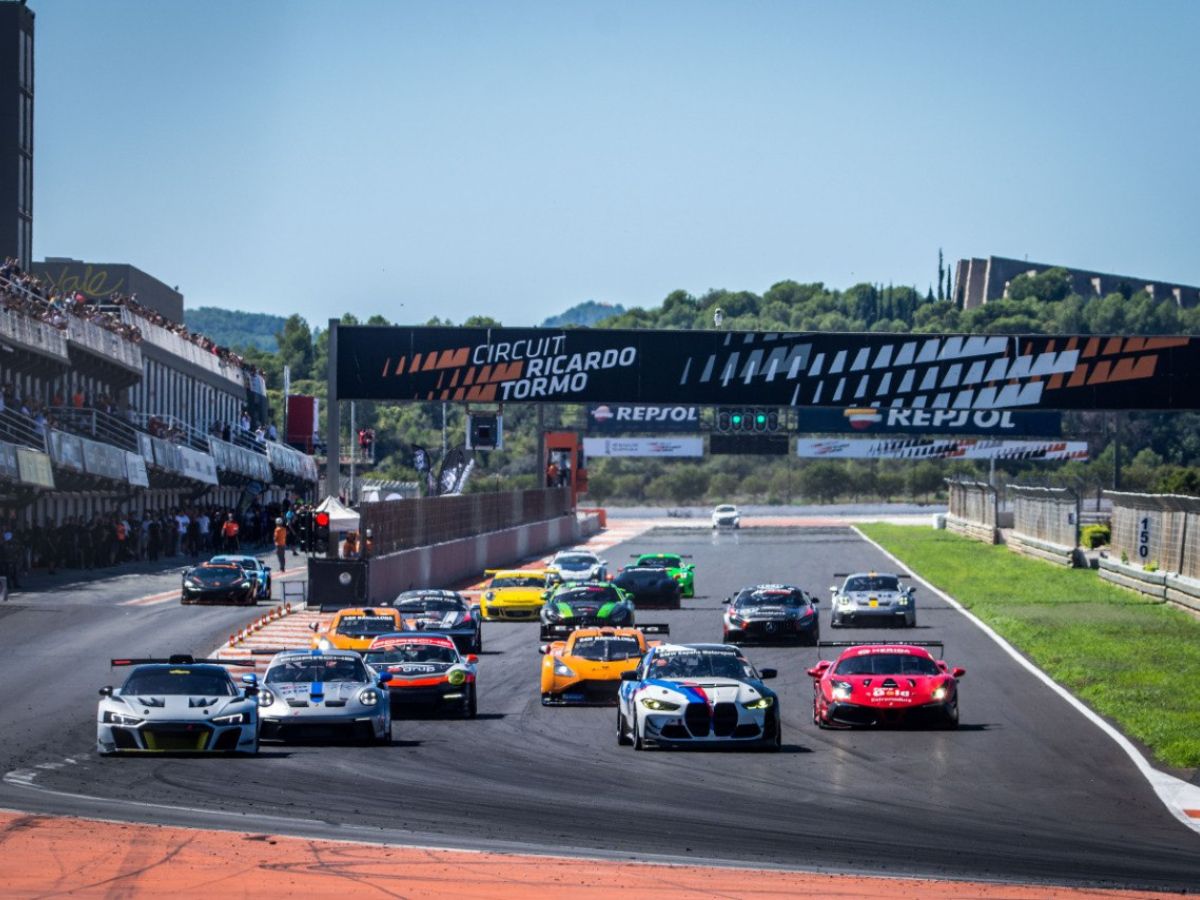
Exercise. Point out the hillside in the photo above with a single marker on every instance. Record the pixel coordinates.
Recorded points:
(233, 328)
(587, 313)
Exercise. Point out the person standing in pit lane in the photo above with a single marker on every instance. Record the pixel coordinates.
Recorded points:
(281, 539)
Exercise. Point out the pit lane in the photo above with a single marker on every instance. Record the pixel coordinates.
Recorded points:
(1026, 789)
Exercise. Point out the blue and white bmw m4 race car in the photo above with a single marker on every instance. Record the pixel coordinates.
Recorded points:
(697, 694)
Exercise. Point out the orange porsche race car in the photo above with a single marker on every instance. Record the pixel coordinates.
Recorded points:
(586, 668)
(354, 629)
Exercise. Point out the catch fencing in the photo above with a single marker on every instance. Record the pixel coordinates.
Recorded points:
(973, 510)
(1156, 538)
(1045, 523)
(405, 524)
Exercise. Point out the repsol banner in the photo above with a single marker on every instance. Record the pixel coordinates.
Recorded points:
(930, 421)
(932, 448)
(624, 418)
(594, 365)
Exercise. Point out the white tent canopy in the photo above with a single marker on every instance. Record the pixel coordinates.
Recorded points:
(340, 518)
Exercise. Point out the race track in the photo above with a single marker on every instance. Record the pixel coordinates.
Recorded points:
(1026, 789)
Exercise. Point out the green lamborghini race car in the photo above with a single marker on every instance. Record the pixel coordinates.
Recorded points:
(684, 573)
(584, 604)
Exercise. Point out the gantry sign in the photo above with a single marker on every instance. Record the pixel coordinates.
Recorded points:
(906, 371)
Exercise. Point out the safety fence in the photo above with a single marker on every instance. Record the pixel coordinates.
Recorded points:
(405, 524)
(973, 510)
(1155, 545)
(1045, 523)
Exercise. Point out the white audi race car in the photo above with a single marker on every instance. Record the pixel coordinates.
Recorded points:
(726, 516)
(179, 705)
(873, 598)
(577, 565)
(697, 694)
(319, 694)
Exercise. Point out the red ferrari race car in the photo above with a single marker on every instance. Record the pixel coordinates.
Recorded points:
(885, 683)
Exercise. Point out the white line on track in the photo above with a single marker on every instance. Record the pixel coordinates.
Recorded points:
(1180, 798)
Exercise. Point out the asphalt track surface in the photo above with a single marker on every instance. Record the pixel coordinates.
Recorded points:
(1025, 790)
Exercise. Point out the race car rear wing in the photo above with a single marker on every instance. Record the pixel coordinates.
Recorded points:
(848, 574)
(654, 629)
(182, 659)
(562, 630)
(680, 555)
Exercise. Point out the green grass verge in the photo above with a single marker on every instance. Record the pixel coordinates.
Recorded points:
(1135, 661)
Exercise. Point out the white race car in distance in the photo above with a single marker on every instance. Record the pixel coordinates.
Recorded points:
(577, 565)
(726, 516)
(685, 694)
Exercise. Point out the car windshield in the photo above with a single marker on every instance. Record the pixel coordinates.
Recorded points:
(179, 681)
(317, 669)
(398, 654)
(430, 605)
(363, 626)
(790, 599)
(699, 664)
(207, 570)
(576, 562)
(658, 562)
(606, 648)
(726, 509)
(512, 581)
(587, 595)
(887, 664)
(872, 583)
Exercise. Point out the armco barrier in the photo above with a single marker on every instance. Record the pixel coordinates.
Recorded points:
(1157, 530)
(1045, 523)
(442, 564)
(972, 510)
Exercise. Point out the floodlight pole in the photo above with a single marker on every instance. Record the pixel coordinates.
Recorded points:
(333, 420)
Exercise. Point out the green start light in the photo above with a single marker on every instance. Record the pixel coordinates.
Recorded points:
(761, 419)
(736, 418)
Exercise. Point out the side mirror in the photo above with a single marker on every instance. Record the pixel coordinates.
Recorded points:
(814, 600)
(106, 691)
(472, 659)
(629, 675)
(266, 568)
(545, 595)
(727, 601)
(544, 649)
(767, 674)
(833, 589)
(819, 669)
(384, 677)
(312, 626)
(250, 679)
(959, 672)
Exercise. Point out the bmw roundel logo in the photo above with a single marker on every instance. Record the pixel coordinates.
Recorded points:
(344, 579)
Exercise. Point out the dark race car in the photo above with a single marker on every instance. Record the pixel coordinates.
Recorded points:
(885, 683)
(443, 612)
(219, 583)
(652, 587)
(771, 612)
(585, 604)
(427, 671)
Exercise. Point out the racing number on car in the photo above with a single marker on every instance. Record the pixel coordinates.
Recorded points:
(1144, 538)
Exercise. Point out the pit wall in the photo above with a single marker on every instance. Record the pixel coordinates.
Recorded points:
(441, 565)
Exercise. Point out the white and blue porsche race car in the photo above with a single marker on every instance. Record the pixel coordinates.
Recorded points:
(254, 568)
(693, 694)
(179, 705)
(309, 694)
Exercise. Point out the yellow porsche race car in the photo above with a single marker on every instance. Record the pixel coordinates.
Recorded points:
(516, 594)
(586, 668)
(355, 629)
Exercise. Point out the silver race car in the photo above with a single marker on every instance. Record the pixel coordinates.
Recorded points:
(181, 705)
(577, 565)
(873, 598)
(309, 694)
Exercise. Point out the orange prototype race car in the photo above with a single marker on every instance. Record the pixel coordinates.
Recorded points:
(585, 669)
(354, 629)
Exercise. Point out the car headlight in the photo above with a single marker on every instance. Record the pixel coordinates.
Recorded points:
(551, 614)
(561, 668)
(659, 705)
(235, 719)
(191, 583)
(939, 693)
(265, 697)
(116, 718)
(490, 595)
(369, 697)
(759, 703)
(902, 601)
(457, 676)
(842, 690)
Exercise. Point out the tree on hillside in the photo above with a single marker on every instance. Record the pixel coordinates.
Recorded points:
(296, 346)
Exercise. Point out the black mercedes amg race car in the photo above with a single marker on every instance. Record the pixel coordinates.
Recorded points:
(771, 612)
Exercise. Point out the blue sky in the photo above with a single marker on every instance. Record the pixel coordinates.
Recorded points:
(513, 158)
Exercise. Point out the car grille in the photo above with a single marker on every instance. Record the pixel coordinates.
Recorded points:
(675, 732)
(333, 704)
(176, 737)
(748, 730)
(697, 719)
(227, 741)
(124, 739)
(724, 719)
(298, 704)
